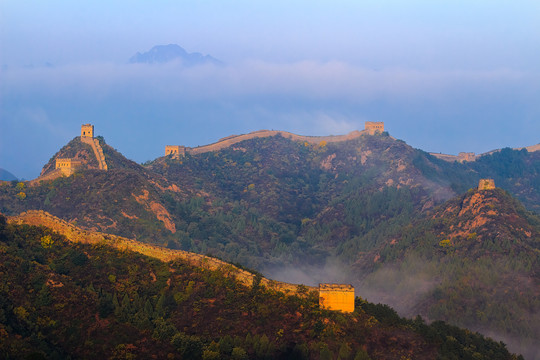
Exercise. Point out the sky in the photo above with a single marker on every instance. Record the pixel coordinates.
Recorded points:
(444, 76)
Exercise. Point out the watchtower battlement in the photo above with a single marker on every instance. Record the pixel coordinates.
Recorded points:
(336, 297)
(466, 156)
(175, 150)
(87, 137)
(373, 127)
(486, 184)
(87, 130)
(67, 165)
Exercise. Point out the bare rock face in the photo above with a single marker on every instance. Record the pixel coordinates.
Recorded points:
(486, 215)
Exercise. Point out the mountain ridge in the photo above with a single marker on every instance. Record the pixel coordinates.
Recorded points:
(467, 156)
(276, 203)
(234, 139)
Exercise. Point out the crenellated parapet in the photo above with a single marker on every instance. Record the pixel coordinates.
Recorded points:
(67, 166)
(373, 127)
(175, 151)
(466, 156)
(87, 131)
(87, 137)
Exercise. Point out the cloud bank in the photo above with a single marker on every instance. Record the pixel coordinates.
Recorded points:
(301, 80)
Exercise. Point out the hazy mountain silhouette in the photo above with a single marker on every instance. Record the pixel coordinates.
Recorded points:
(160, 54)
(6, 175)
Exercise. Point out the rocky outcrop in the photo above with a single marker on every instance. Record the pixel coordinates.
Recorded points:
(159, 210)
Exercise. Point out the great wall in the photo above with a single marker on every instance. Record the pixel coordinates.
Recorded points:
(67, 166)
(331, 296)
(234, 139)
(78, 235)
(87, 137)
(371, 128)
(178, 150)
(339, 297)
(98, 152)
(470, 156)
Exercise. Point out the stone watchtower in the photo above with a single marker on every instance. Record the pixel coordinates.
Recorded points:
(466, 156)
(175, 150)
(87, 137)
(68, 166)
(486, 184)
(336, 297)
(373, 127)
(87, 130)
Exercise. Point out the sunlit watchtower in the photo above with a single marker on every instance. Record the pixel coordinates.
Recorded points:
(87, 130)
(175, 150)
(486, 184)
(68, 166)
(336, 297)
(373, 127)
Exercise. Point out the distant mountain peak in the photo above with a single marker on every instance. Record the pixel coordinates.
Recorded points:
(6, 175)
(160, 54)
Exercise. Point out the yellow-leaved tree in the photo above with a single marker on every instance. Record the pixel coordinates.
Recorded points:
(47, 241)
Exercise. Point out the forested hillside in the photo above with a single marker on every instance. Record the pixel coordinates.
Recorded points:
(473, 261)
(360, 211)
(62, 300)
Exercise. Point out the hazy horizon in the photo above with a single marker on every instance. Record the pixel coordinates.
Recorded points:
(444, 78)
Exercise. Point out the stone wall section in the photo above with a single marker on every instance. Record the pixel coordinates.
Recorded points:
(234, 139)
(52, 175)
(470, 156)
(78, 235)
(98, 151)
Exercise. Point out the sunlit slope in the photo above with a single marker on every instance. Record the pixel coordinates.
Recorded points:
(268, 201)
(63, 299)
